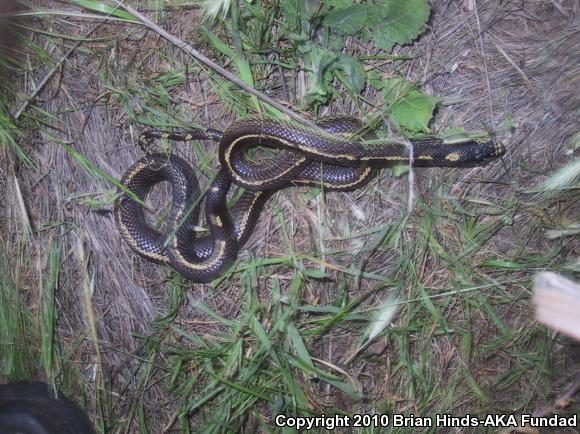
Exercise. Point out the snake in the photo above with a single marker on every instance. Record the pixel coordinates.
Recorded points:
(330, 156)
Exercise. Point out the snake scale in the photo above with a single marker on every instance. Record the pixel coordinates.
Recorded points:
(330, 157)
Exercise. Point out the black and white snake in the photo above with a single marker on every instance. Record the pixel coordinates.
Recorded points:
(327, 157)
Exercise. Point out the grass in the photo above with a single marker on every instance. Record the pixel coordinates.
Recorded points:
(15, 325)
(410, 296)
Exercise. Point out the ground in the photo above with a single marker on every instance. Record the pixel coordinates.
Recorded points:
(454, 250)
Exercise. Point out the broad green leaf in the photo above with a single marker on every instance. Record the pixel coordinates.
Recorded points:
(415, 112)
(397, 21)
(353, 70)
(398, 170)
(406, 106)
(347, 21)
(307, 8)
(374, 79)
(339, 4)
(321, 64)
(336, 43)
(318, 62)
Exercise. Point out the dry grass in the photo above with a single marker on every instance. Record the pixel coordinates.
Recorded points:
(145, 348)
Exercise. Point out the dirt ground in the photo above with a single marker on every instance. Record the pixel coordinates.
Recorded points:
(512, 67)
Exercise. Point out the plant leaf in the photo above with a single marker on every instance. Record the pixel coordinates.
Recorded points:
(407, 106)
(106, 9)
(307, 8)
(318, 62)
(397, 21)
(322, 64)
(346, 21)
(353, 70)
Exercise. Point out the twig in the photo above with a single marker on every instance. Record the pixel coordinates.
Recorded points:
(214, 66)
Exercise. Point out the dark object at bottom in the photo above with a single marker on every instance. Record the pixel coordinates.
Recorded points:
(31, 408)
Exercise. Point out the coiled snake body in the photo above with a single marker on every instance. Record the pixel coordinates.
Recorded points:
(307, 156)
